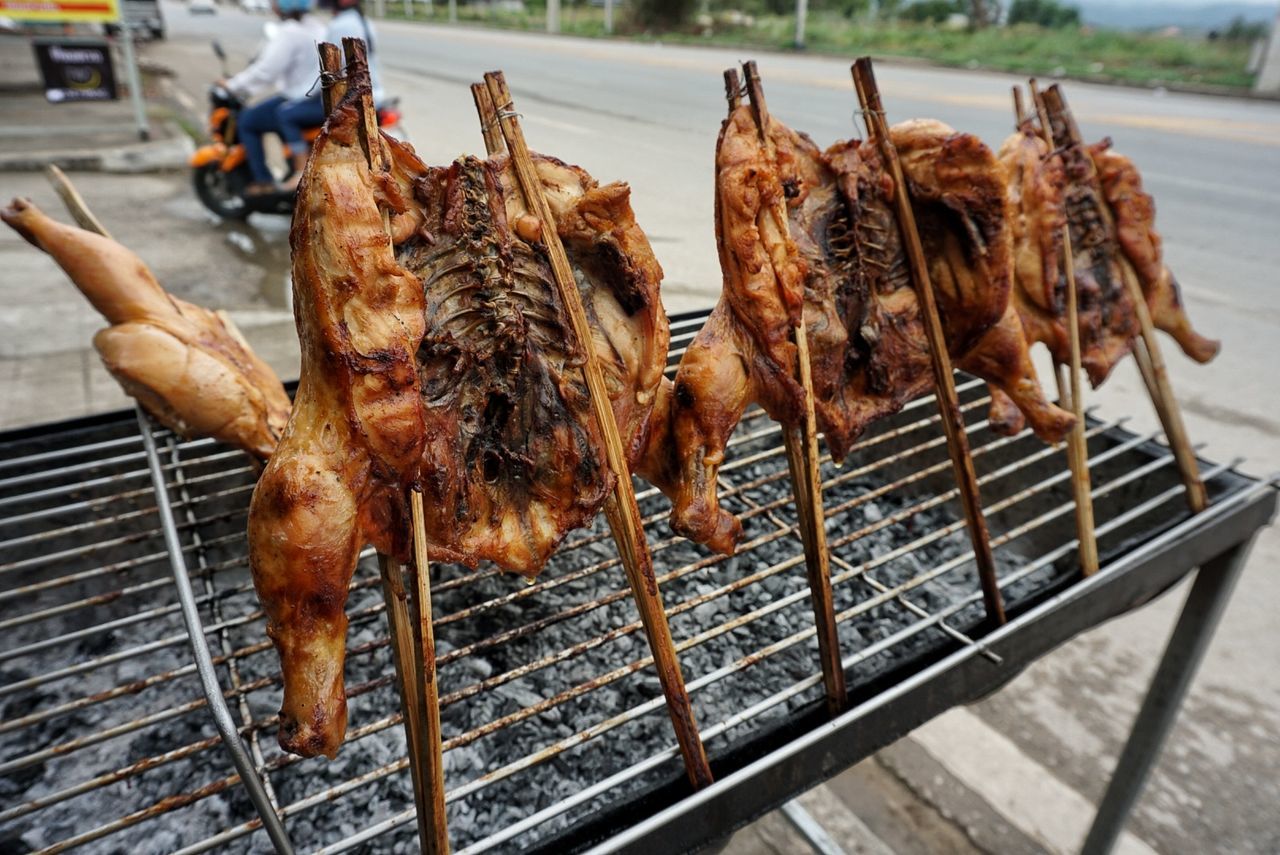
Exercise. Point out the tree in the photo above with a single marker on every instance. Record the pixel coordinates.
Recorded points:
(663, 13)
(1044, 13)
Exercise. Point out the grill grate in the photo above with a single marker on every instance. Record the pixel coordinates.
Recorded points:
(551, 712)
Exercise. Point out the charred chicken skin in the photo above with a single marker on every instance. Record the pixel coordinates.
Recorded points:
(1041, 195)
(187, 366)
(440, 359)
(514, 458)
(838, 263)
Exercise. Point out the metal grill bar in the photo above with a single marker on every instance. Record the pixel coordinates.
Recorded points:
(330, 794)
(718, 729)
(50, 551)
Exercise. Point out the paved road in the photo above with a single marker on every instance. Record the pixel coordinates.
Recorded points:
(649, 114)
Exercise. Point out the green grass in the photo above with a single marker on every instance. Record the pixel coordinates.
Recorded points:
(1080, 53)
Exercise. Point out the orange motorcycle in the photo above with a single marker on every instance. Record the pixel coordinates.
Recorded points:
(220, 170)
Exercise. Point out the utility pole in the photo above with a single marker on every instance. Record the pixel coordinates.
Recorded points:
(802, 15)
(608, 17)
(1268, 79)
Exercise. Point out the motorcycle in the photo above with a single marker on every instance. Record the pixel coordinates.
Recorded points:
(220, 169)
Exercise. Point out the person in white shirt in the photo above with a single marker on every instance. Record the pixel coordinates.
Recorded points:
(297, 115)
(287, 66)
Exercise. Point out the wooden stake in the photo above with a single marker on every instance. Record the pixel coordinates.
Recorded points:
(74, 202)
(333, 86)
(620, 508)
(493, 141)
(948, 403)
(802, 444)
(1077, 445)
(413, 646)
(1065, 132)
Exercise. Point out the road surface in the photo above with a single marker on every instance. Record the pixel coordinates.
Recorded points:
(649, 114)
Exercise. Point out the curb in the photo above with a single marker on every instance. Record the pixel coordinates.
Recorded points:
(154, 156)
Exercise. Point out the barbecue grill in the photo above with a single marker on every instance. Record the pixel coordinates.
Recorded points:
(555, 734)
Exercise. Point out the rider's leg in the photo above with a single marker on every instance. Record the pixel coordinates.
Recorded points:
(254, 122)
(292, 117)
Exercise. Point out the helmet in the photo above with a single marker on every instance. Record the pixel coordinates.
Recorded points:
(293, 5)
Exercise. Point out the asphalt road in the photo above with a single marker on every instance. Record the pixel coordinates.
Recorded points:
(649, 114)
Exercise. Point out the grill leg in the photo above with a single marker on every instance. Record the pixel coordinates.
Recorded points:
(1191, 636)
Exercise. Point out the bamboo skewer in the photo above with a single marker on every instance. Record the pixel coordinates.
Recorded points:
(413, 646)
(1070, 393)
(802, 442)
(73, 201)
(1147, 351)
(620, 508)
(493, 141)
(948, 403)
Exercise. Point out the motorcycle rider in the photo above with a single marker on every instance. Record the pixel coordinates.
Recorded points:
(308, 112)
(287, 66)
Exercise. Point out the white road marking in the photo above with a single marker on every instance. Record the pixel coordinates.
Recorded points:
(1020, 789)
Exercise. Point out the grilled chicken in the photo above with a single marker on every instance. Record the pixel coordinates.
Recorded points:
(515, 459)
(442, 359)
(354, 442)
(185, 364)
(1099, 194)
(839, 264)
(1134, 212)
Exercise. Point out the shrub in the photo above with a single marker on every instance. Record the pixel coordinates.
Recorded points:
(1045, 13)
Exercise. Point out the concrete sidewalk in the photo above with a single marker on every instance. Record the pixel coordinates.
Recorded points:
(86, 135)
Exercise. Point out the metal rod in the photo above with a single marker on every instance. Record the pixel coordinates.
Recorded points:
(200, 650)
(810, 829)
(1205, 603)
(135, 81)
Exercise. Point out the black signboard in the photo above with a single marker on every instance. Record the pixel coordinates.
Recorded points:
(76, 71)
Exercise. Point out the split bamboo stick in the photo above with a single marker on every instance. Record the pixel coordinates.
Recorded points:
(73, 201)
(493, 142)
(1071, 392)
(948, 403)
(413, 647)
(801, 441)
(1065, 132)
(620, 508)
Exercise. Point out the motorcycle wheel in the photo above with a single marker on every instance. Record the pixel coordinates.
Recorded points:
(221, 192)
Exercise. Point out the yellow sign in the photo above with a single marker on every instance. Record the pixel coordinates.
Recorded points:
(61, 11)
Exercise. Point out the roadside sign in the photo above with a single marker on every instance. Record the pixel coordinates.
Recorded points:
(61, 11)
(75, 71)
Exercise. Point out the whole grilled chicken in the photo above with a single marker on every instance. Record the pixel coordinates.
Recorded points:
(1099, 194)
(1134, 214)
(440, 358)
(839, 264)
(184, 364)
